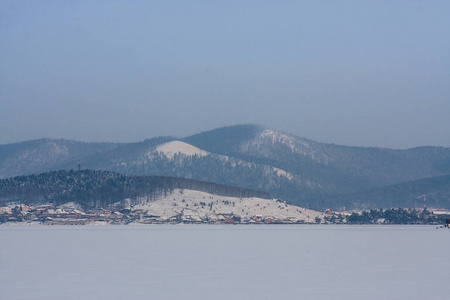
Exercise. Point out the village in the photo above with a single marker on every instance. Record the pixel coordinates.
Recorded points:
(194, 207)
(137, 215)
(182, 206)
(50, 215)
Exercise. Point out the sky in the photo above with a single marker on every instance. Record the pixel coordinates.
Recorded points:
(359, 73)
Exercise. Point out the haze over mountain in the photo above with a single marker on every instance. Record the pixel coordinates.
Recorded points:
(360, 73)
(429, 192)
(298, 170)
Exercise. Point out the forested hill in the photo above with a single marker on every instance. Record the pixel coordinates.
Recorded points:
(435, 190)
(93, 189)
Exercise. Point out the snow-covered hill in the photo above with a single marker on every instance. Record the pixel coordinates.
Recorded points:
(196, 205)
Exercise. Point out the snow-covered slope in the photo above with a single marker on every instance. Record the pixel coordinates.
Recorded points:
(198, 205)
(269, 141)
(178, 147)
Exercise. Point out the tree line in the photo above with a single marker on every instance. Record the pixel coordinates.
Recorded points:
(94, 189)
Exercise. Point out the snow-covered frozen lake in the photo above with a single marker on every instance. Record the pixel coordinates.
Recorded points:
(224, 262)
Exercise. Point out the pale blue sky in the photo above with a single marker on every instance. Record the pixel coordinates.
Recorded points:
(367, 73)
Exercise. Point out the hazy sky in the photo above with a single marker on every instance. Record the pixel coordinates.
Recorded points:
(367, 73)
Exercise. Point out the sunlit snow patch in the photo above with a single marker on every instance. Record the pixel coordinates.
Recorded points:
(283, 173)
(177, 147)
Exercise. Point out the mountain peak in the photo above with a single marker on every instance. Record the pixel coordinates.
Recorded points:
(224, 140)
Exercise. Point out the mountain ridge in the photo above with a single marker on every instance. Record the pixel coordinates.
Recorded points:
(432, 192)
(296, 169)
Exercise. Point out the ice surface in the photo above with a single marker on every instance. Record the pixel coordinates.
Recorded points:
(224, 262)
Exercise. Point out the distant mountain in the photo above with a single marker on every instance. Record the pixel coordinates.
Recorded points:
(432, 192)
(94, 189)
(369, 166)
(44, 155)
(295, 169)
